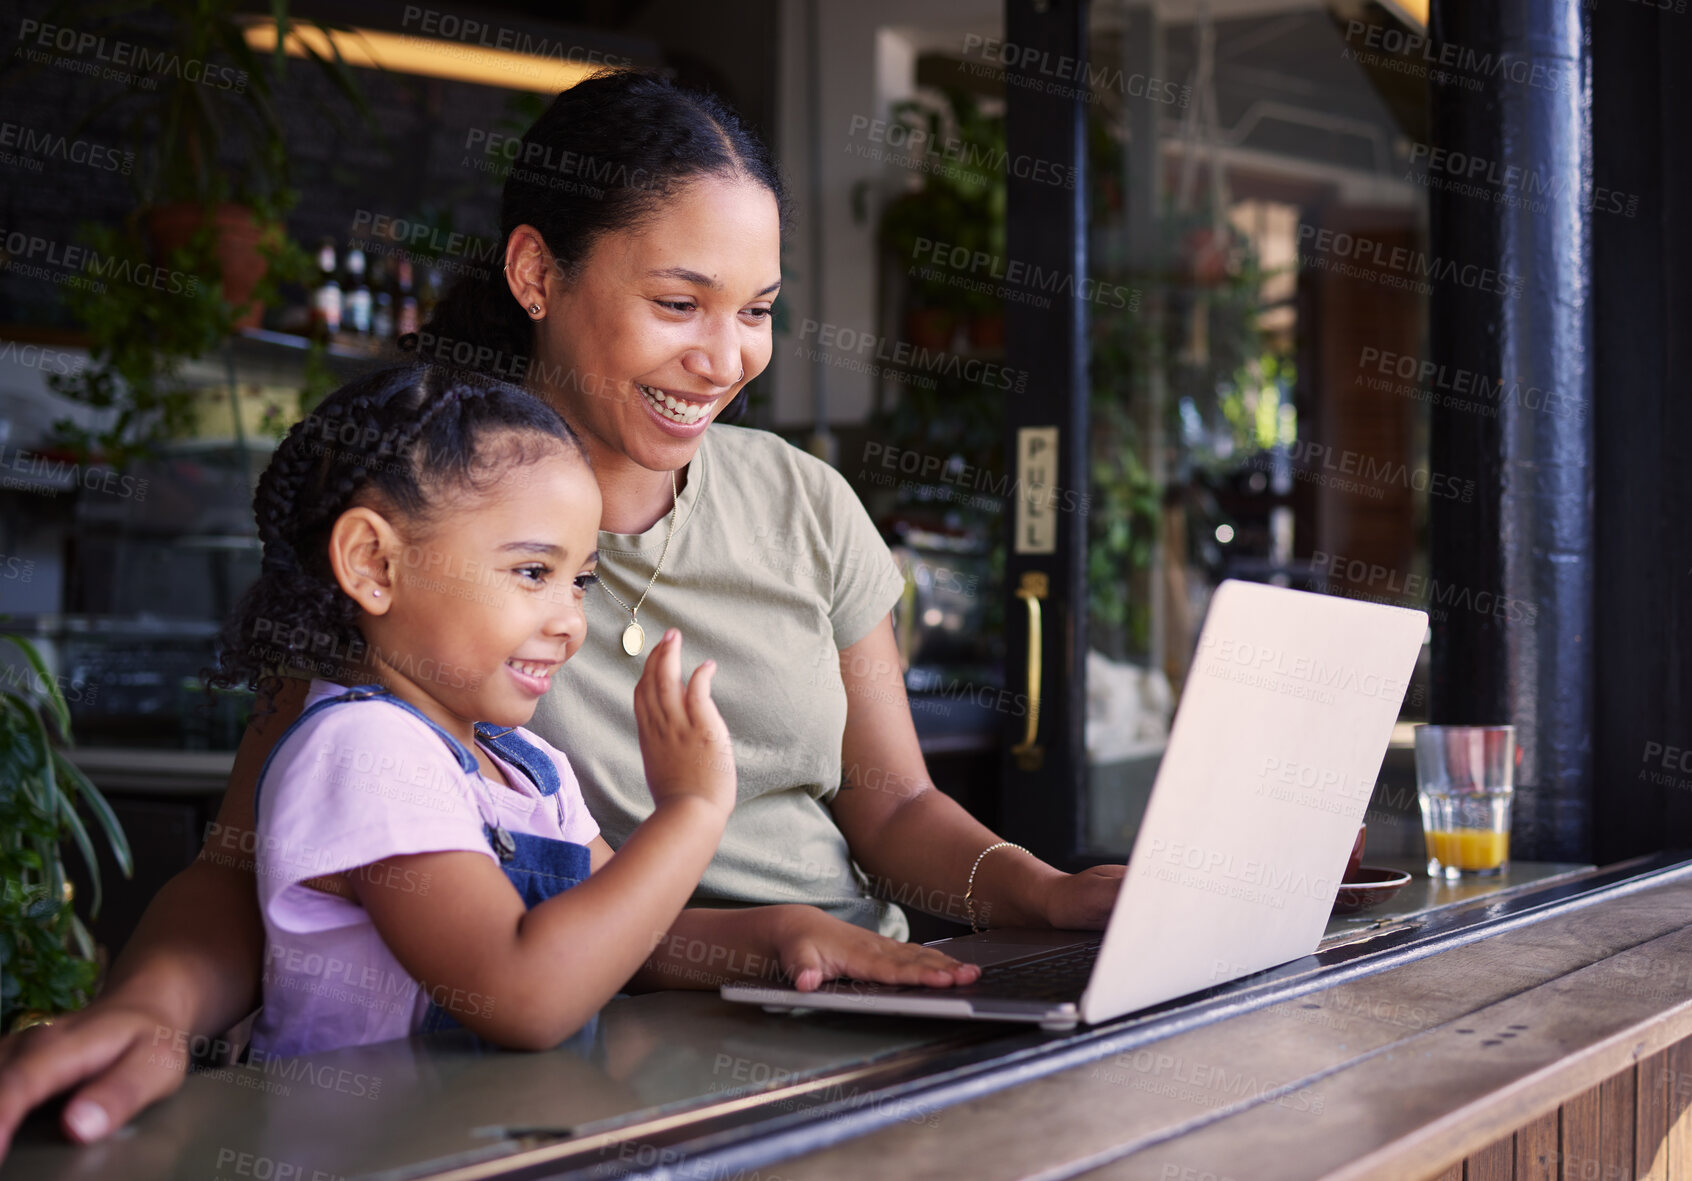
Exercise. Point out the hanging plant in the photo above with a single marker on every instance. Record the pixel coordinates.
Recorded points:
(214, 183)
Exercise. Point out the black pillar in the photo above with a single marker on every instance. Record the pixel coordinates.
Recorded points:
(1642, 301)
(1046, 233)
(1518, 646)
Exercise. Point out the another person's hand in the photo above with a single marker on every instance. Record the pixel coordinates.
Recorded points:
(112, 1049)
(1082, 901)
(683, 742)
(814, 947)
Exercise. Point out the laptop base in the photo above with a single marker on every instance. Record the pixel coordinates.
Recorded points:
(1001, 953)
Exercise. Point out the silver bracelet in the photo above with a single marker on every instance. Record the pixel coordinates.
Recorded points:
(969, 889)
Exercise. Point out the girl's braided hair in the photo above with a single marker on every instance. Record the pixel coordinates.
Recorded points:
(606, 156)
(395, 439)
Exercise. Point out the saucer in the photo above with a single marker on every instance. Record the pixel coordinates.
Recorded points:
(1373, 886)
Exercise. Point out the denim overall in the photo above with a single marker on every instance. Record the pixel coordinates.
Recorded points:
(537, 866)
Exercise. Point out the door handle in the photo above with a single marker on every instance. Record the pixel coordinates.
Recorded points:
(1034, 587)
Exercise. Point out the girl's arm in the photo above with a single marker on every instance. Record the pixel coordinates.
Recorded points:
(528, 978)
(190, 969)
(905, 833)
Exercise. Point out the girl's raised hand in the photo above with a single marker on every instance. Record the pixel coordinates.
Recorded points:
(683, 741)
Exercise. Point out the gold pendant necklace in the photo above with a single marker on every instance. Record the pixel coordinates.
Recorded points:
(634, 637)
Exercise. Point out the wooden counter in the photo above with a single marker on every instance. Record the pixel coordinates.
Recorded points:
(1539, 1033)
(1554, 1049)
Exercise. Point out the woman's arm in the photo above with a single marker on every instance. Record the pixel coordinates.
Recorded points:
(914, 840)
(202, 931)
(192, 967)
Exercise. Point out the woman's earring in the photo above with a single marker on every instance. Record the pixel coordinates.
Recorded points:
(534, 309)
(375, 594)
(742, 376)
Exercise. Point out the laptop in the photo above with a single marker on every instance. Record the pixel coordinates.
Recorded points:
(1280, 733)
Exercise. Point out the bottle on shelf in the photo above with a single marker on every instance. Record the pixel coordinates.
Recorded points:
(358, 298)
(430, 295)
(405, 298)
(382, 305)
(326, 300)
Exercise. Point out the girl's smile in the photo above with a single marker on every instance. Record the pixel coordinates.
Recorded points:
(533, 676)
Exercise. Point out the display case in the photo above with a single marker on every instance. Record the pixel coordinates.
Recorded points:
(123, 578)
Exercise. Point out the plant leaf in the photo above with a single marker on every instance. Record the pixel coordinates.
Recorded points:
(79, 834)
(103, 813)
(337, 72)
(43, 800)
(47, 685)
(80, 936)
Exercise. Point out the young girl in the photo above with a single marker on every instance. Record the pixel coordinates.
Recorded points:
(423, 860)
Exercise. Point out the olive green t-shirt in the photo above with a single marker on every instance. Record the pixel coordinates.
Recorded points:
(775, 567)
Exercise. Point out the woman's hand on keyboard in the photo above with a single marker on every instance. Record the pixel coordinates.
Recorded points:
(1083, 901)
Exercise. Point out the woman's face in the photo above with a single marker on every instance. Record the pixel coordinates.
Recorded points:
(664, 323)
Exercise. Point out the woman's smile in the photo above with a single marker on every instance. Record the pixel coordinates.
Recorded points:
(677, 408)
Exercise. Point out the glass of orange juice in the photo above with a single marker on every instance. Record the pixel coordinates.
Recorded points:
(1465, 778)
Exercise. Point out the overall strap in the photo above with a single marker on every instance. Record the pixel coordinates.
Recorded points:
(522, 754)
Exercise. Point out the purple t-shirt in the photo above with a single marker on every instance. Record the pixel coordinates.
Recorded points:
(355, 784)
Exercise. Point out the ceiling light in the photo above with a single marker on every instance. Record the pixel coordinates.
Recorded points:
(403, 53)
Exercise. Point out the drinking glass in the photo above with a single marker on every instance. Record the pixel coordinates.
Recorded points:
(1465, 778)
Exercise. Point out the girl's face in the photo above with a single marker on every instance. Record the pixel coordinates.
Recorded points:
(664, 323)
(486, 603)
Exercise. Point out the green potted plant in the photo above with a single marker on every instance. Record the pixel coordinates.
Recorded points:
(47, 957)
(958, 200)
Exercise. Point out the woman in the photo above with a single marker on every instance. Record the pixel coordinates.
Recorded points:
(642, 233)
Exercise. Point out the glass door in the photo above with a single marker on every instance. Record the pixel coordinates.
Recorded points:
(1141, 322)
(1257, 402)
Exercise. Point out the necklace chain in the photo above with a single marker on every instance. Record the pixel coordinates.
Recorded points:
(675, 503)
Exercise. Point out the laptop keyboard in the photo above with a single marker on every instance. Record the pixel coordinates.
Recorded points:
(1060, 977)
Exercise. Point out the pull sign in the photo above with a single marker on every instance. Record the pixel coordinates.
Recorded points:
(1036, 476)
